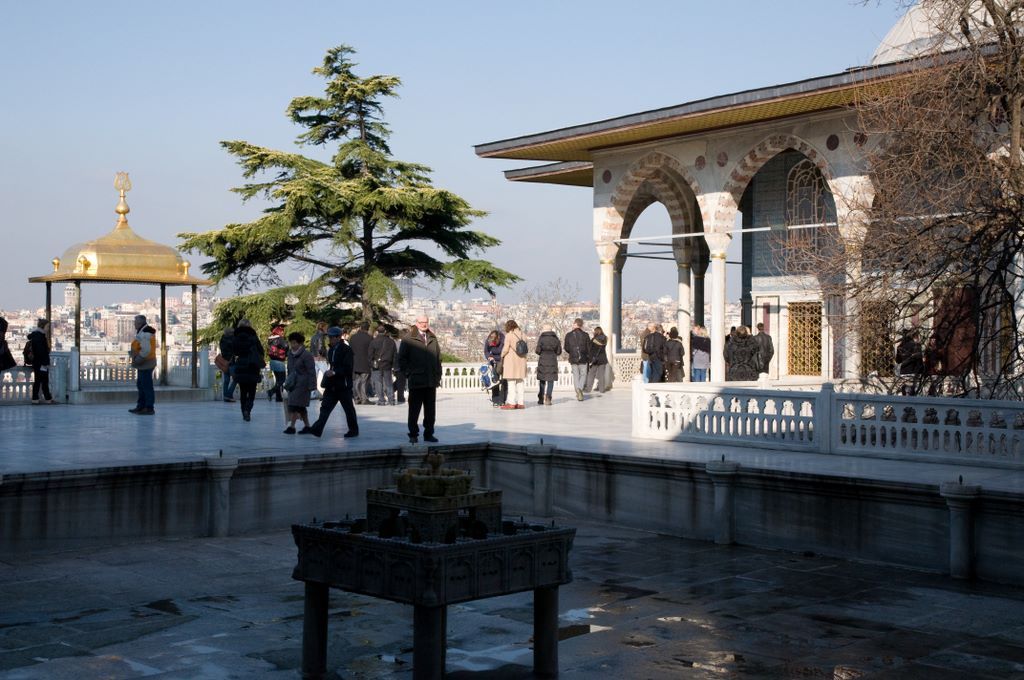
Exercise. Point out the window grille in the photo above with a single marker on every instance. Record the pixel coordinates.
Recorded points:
(804, 338)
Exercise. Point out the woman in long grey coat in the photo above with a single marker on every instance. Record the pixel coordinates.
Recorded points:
(548, 348)
(300, 383)
(743, 356)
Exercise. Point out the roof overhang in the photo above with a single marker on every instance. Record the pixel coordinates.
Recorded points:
(82, 278)
(578, 143)
(571, 173)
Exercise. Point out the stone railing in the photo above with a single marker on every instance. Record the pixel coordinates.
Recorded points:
(16, 384)
(985, 432)
(466, 377)
(737, 413)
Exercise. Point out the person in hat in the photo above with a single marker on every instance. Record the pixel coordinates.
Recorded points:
(338, 387)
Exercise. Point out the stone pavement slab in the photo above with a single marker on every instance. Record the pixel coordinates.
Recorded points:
(50, 438)
(641, 606)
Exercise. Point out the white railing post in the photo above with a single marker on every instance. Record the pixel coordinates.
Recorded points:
(824, 406)
(641, 420)
(75, 371)
(203, 369)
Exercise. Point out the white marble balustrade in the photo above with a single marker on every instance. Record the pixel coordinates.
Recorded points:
(466, 377)
(738, 413)
(968, 429)
(16, 383)
(986, 432)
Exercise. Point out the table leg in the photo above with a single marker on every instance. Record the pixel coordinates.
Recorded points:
(314, 632)
(429, 642)
(545, 631)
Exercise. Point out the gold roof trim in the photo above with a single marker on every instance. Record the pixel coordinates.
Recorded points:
(122, 256)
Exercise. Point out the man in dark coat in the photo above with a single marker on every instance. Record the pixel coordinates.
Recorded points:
(360, 344)
(419, 359)
(247, 361)
(577, 346)
(654, 347)
(339, 386)
(742, 356)
(40, 351)
(765, 348)
(382, 361)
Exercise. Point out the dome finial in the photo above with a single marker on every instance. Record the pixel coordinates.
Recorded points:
(123, 185)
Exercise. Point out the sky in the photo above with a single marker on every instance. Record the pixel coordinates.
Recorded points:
(92, 88)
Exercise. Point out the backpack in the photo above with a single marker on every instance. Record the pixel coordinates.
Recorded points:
(522, 349)
(277, 349)
(28, 354)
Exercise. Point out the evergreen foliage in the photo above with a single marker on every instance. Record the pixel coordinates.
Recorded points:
(352, 224)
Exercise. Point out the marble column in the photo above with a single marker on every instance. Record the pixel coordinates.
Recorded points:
(607, 297)
(615, 332)
(717, 243)
(221, 470)
(700, 268)
(684, 316)
(429, 642)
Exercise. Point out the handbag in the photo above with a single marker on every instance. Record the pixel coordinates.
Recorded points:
(221, 363)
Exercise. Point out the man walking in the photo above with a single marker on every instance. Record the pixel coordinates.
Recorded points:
(143, 358)
(382, 360)
(765, 347)
(339, 386)
(360, 344)
(577, 346)
(419, 359)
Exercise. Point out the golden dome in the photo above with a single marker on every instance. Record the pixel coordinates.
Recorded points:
(122, 255)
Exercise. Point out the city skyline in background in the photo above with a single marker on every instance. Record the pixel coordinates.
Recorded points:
(101, 89)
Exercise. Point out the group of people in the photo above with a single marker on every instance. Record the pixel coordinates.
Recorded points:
(348, 367)
(506, 354)
(36, 355)
(663, 358)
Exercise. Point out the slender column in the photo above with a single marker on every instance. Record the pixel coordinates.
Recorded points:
(607, 298)
(49, 309)
(684, 317)
(429, 642)
(163, 333)
(78, 314)
(545, 631)
(717, 243)
(540, 465)
(314, 632)
(616, 329)
(698, 299)
(195, 341)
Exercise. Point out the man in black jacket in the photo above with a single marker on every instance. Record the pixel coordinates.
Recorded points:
(419, 359)
(360, 344)
(382, 361)
(577, 346)
(339, 386)
(654, 347)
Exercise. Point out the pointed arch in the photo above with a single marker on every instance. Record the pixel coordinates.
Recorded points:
(655, 177)
(755, 159)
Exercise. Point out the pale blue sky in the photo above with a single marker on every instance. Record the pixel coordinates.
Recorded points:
(90, 88)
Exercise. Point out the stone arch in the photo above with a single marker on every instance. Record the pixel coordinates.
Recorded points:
(655, 177)
(765, 150)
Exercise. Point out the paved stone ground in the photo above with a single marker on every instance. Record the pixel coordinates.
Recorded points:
(641, 606)
(55, 438)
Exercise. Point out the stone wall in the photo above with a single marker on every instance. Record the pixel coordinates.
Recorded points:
(907, 524)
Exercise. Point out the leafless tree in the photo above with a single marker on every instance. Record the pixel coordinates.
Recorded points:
(940, 248)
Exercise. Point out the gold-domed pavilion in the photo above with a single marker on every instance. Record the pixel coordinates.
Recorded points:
(122, 256)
